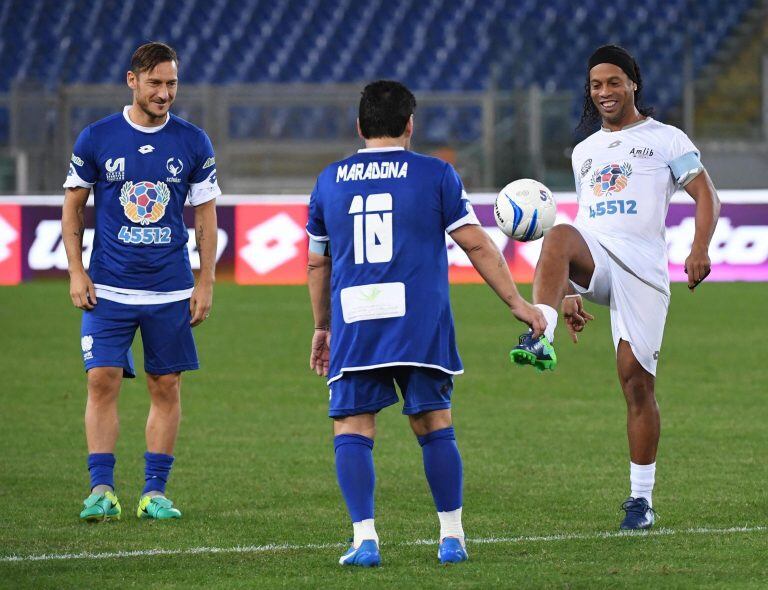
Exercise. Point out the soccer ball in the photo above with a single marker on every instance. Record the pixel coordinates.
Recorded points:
(525, 210)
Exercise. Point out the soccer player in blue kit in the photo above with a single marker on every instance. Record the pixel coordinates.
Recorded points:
(142, 164)
(378, 281)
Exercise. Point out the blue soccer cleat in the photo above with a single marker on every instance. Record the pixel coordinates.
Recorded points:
(451, 550)
(639, 515)
(536, 352)
(367, 555)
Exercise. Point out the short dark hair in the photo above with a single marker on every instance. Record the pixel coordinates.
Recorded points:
(146, 57)
(385, 108)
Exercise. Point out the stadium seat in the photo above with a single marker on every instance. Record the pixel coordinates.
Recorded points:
(429, 44)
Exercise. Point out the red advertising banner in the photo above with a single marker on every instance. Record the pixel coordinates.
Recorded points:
(262, 239)
(10, 244)
(270, 244)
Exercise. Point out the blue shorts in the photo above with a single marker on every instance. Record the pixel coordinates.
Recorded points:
(362, 392)
(107, 332)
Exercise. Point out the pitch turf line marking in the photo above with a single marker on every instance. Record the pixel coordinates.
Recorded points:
(274, 547)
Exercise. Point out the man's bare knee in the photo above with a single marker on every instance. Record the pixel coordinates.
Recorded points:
(104, 383)
(426, 422)
(362, 424)
(164, 389)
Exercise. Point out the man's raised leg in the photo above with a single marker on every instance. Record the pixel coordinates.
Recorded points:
(353, 444)
(564, 255)
(445, 475)
(643, 430)
(101, 431)
(161, 431)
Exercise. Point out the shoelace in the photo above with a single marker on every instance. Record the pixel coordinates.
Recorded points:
(635, 506)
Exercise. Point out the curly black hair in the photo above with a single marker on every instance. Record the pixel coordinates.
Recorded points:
(590, 116)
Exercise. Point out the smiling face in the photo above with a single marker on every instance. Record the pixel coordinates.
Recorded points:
(613, 94)
(155, 90)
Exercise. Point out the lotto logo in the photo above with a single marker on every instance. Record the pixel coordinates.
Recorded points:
(10, 244)
(270, 244)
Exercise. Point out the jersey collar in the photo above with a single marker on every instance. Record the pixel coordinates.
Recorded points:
(394, 148)
(630, 126)
(141, 127)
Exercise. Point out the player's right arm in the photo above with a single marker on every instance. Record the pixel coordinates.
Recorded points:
(319, 282)
(81, 289)
(488, 260)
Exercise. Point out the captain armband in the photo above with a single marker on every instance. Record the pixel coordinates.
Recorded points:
(686, 168)
(322, 247)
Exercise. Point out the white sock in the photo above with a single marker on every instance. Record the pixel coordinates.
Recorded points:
(641, 480)
(102, 489)
(550, 314)
(450, 525)
(364, 530)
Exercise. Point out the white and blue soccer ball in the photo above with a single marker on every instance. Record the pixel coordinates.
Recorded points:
(525, 210)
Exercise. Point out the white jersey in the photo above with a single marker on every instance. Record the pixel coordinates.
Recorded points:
(624, 182)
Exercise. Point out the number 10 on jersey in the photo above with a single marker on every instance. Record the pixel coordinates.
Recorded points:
(372, 218)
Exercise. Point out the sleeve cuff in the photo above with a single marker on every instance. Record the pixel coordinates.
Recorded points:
(202, 192)
(317, 238)
(74, 181)
(469, 219)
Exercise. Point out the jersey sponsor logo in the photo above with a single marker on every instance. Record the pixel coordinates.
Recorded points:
(115, 169)
(371, 171)
(77, 160)
(586, 167)
(610, 179)
(144, 202)
(146, 149)
(616, 143)
(174, 166)
(641, 152)
(209, 162)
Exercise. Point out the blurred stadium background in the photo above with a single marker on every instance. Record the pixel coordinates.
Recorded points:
(275, 83)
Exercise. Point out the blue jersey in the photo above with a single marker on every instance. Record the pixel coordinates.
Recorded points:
(385, 212)
(141, 178)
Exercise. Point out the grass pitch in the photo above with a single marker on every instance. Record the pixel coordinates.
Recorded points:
(545, 456)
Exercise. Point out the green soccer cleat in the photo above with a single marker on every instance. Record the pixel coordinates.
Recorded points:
(101, 507)
(536, 352)
(157, 508)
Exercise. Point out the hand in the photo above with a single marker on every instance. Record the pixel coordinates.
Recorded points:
(576, 317)
(320, 356)
(81, 290)
(528, 314)
(200, 303)
(697, 266)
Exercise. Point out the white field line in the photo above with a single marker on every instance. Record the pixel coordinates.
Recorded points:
(275, 547)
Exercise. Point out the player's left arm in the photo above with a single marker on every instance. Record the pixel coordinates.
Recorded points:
(698, 264)
(206, 235)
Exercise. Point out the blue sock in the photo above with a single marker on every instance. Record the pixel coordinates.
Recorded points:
(157, 468)
(354, 470)
(102, 468)
(442, 465)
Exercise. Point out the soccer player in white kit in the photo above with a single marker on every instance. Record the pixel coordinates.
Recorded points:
(615, 253)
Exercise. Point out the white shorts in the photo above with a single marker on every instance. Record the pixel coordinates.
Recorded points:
(638, 309)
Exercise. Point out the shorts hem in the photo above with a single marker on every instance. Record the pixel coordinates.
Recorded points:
(172, 369)
(366, 409)
(127, 373)
(430, 407)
